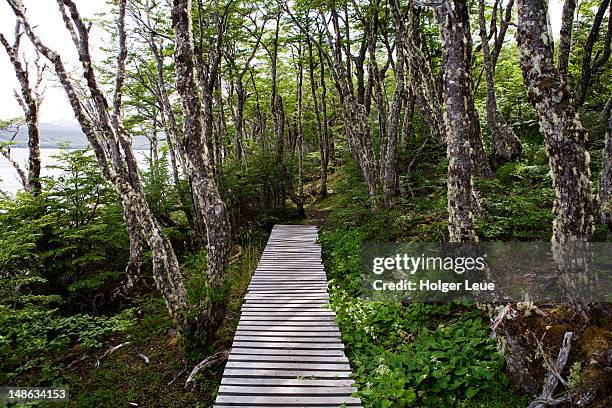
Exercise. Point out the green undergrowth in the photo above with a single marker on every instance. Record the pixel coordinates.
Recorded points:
(419, 354)
(66, 351)
(124, 377)
(429, 355)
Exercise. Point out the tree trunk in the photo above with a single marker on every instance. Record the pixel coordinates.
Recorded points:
(29, 100)
(505, 145)
(299, 125)
(605, 184)
(355, 116)
(565, 37)
(589, 68)
(479, 162)
(328, 141)
(454, 26)
(423, 83)
(388, 154)
(315, 98)
(278, 123)
(564, 134)
(241, 96)
(565, 139)
(408, 116)
(200, 170)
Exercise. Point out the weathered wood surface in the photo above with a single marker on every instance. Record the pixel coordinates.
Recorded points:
(287, 350)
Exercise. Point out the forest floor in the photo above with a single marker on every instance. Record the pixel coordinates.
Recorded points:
(123, 378)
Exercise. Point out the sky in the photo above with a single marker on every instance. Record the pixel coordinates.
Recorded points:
(45, 16)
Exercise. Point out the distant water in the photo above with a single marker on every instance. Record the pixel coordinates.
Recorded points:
(9, 180)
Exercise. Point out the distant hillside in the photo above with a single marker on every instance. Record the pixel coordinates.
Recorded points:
(54, 134)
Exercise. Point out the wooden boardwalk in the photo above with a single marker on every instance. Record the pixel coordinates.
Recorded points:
(287, 350)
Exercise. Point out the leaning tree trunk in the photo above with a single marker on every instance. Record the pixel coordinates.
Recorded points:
(505, 144)
(457, 81)
(200, 170)
(565, 139)
(116, 159)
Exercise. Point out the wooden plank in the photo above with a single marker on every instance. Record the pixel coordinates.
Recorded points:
(288, 358)
(286, 328)
(285, 352)
(291, 390)
(273, 335)
(289, 324)
(283, 365)
(274, 399)
(311, 374)
(289, 338)
(299, 382)
(290, 319)
(288, 345)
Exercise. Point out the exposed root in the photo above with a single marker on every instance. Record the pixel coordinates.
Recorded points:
(554, 377)
(110, 351)
(207, 362)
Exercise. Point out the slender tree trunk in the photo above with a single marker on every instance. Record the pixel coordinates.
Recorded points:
(505, 145)
(239, 120)
(565, 37)
(479, 162)
(315, 98)
(388, 155)
(590, 67)
(29, 100)
(605, 184)
(387, 163)
(168, 118)
(328, 141)
(408, 116)
(355, 116)
(278, 123)
(299, 126)
(423, 83)
(278, 116)
(457, 80)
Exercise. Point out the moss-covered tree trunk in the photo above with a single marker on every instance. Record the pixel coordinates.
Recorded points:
(426, 92)
(565, 139)
(564, 134)
(605, 184)
(199, 167)
(454, 27)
